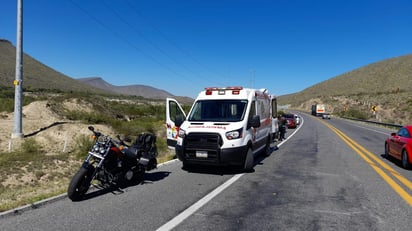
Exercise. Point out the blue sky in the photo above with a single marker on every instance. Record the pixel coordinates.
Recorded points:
(184, 46)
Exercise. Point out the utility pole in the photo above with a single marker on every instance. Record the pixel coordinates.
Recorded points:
(18, 82)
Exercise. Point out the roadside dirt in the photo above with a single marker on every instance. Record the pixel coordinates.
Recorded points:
(53, 133)
(56, 136)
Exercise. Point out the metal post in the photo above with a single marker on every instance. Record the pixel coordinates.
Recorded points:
(18, 82)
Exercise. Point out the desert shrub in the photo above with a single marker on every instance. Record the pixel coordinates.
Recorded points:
(91, 118)
(39, 174)
(355, 114)
(30, 146)
(7, 99)
(6, 105)
(84, 143)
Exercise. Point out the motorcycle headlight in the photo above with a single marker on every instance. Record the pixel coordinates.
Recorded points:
(96, 148)
(235, 134)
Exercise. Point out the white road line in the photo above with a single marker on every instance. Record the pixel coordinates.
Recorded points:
(373, 130)
(196, 206)
(192, 209)
(365, 126)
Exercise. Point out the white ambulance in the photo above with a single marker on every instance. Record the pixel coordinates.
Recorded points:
(225, 126)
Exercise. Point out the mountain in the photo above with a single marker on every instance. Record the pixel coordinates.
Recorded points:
(386, 84)
(138, 90)
(36, 75)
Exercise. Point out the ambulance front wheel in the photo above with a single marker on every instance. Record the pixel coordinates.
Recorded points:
(186, 166)
(249, 161)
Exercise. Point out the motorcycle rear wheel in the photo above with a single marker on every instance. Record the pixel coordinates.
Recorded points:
(80, 183)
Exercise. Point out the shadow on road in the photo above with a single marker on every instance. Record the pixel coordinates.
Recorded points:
(227, 170)
(393, 160)
(151, 177)
(213, 170)
(99, 190)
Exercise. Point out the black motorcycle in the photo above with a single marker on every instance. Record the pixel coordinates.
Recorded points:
(112, 162)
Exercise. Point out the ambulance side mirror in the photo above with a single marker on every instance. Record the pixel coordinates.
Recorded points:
(254, 122)
(179, 120)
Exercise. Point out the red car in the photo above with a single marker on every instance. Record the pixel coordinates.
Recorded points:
(291, 121)
(399, 145)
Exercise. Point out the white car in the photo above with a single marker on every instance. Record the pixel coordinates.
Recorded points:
(326, 116)
(297, 119)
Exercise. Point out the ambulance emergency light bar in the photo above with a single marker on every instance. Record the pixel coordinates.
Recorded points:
(222, 91)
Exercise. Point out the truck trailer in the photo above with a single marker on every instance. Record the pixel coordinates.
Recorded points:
(318, 109)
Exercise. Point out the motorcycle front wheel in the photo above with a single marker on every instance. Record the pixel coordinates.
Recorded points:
(80, 183)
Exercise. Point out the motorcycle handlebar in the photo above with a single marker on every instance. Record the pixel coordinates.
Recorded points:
(118, 142)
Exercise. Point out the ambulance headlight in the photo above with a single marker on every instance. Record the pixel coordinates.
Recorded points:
(181, 133)
(236, 134)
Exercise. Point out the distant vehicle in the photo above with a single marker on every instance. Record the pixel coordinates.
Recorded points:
(318, 109)
(326, 116)
(290, 119)
(297, 119)
(399, 146)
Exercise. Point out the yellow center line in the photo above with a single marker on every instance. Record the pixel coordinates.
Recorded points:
(377, 165)
(396, 174)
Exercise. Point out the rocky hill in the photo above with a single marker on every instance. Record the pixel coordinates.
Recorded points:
(386, 84)
(137, 90)
(37, 75)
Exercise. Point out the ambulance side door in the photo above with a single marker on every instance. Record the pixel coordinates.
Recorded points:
(173, 111)
(263, 110)
(274, 115)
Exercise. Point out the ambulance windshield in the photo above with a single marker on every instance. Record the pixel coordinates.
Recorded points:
(218, 111)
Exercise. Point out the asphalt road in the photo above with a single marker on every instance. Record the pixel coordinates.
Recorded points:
(327, 176)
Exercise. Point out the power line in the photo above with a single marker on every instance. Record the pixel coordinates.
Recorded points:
(125, 40)
(144, 37)
(167, 39)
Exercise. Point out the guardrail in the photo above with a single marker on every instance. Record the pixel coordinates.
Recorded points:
(374, 122)
(367, 121)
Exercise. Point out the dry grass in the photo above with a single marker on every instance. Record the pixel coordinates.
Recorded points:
(28, 177)
(42, 164)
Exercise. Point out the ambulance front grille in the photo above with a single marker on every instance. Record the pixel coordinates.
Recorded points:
(203, 142)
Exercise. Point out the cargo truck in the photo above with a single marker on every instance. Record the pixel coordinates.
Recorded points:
(318, 109)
